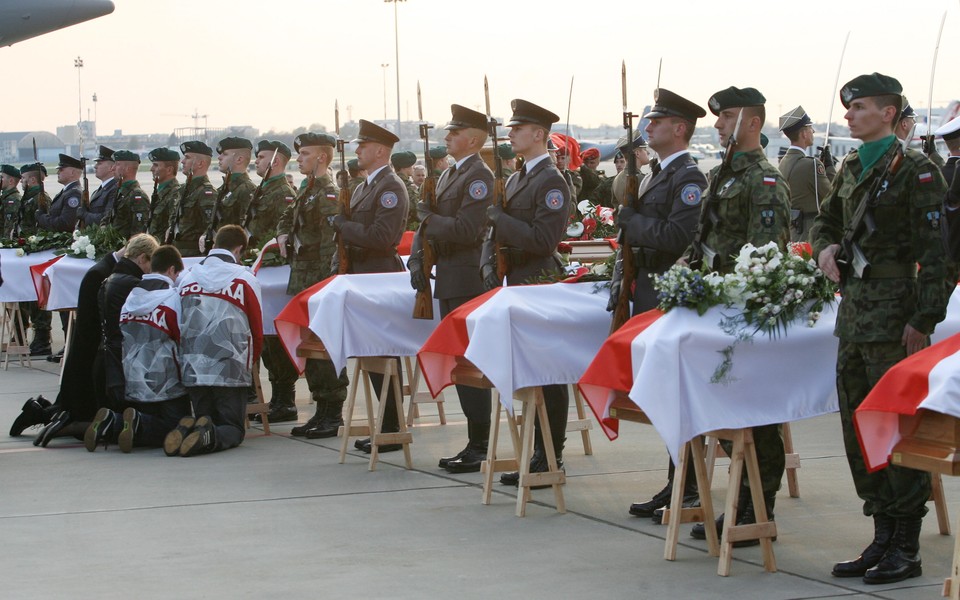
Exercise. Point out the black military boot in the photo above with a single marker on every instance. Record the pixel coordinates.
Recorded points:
(40, 346)
(331, 422)
(902, 560)
(748, 517)
(314, 421)
(691, 498)
(884, 528)
(699, 532)
(283, 407)
(475, 453)
(36, 411)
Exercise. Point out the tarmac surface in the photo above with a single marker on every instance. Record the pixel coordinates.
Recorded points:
(279, 515)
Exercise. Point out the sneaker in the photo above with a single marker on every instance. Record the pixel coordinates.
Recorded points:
(202, 440)
(131, 423)
(174, 439)
(100, 429)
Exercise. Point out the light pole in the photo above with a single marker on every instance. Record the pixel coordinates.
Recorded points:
(78, 63)
(94, 115)
(396, 46)
(384, 65)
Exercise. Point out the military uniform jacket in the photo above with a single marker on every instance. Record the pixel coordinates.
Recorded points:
(100, 204)
(61, 214)
(29, 203)
(264, 212)
(590, 179)
(809, 183)
(161, 207)
(9, 211)
(130, 210)
(311, 237)
(752, 204)
(378, 218)
(668, 207)
(355, 182)
(456, 229)
(194, 209)
(533, 223)
(237, 199)
(951, 210)
(413, 196)
(149, 322)
(908, 221)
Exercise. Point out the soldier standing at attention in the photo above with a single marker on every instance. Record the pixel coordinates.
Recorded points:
(60, 214)
(357, 175)
(31, 177)
(233, 158)
(262, 214)
(438, 159)
(455, 228)
(166, 190)
(808, 178)
(193, 210)
(131, 207)
(102, 199)
(659, 226)
(950, 132)
(402, 163)
(752, 205)
(528, 228)
(306, 240)
(508, 158)
(887, 315)
(588, 172)
(377, 218)
(9, 200)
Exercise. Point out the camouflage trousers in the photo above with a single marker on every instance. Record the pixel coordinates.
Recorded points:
(322, 377)
(895, 491)
(768, 441)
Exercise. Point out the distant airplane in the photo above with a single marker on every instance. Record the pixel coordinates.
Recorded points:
(24, 19)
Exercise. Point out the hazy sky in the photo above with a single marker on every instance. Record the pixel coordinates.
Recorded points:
(281, 64)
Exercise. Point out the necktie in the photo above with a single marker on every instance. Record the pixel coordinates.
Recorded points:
(656, 169)
(523, 171)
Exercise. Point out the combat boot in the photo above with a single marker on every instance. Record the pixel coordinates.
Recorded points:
(331, 422)
(40, 346)
(699, 531)
(902, 560)
(884, 528)
(475, 453)
(283, 407)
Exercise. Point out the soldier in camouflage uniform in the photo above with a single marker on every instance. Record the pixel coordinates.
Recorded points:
(233, 158)
(807, 177)
(9, 200)
(508, 158)
(31, 179)
(193, 210)
(306, 241)
(402, 163)
(905, 126)
(752, 203)
(166, 188)
(268, 203)
(357, 175)
(887, 315)
(438, 159)
(131, 208)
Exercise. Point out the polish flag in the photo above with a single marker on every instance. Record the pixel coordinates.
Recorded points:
(40, 283)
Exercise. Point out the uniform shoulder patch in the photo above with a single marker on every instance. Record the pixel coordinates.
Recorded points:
(767, 218)
(554, 200)
(933, 217)
(691, 194)
(73, 202)
(388, 200)
(478, 190)
(820, 168)
(925, 177)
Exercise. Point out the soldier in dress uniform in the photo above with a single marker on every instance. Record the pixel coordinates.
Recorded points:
(887, 314)
(752, 205)
(527, 229)
(402, 163)
(9, 201)
(193, 210)
(640, 151)
(659, 226)
(370, 235)
(132, 206)
(102, 199)
(357, 175)
(908, 118)
(233, 158)
(808, 178)
(306, 239)
(455, 231)
(166, 189)
(508, 158)
(438, 159)
(950, 132)
(60, 214)
(262, 214)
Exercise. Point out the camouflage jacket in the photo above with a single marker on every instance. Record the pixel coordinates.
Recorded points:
(908, 221)
(9, 211)
(129, 211)
(310, 244)
(413, 193)
(192, 214)
(235, 202)
(752, 206)
(29, 203)
(261, 215)
(161, 208)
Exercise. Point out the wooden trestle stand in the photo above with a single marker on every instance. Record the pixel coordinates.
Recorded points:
(13, 335)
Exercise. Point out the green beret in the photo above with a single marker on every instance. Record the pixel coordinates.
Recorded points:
(353, 164)
(402, 160)
(438, 152)
(68, 161)
(234, 143)
(163, 154)
(196, 147)
(764, 140)
(735, 98)
(314, 139)
(10, 171)
(126, 155)
(865, 86)
(270, 146)
(38, 167)
(506, 151)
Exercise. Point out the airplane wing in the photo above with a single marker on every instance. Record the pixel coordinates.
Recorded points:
(24, 19)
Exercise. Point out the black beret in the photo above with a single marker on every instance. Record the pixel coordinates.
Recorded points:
(163, 154)
(438, 152)
(506, 151)
(314, 139)
(794, 120)
(528, 112)
(10, 170)
(668, 104)
(68, 161)
(104, 153)
(126, 155)
(733, 97)
(233, 143)
(38, 167)
(371, 132)
(196, 147)
(463, 117)
(270, 146)
(864, 86)
(402, 160)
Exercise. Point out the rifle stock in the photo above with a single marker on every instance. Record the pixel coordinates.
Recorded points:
(174, 232)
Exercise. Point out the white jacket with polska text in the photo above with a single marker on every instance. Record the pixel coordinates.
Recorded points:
(150, 324)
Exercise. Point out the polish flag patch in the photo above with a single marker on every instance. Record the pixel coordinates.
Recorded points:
(769, 181)
(926, 177)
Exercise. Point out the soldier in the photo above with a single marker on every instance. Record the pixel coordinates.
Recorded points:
(263, 213)
(588, 172)
(306, 239)
(455, 231)
(102, 199)
(9, 201)
(60, 214)
(233, 158)
(563, 160)
(508, 158)
(419, 176)
(886, 315)
(438, 159)
(371, 234)
(659, 226)
(166, 188)
(357, 175)
(131, 208)
(193, 209)
(528, 229)
(752, 205)
(402, 163)
(31, 178)
(808, 178)
(602, 195)
(619, 185)
(950, 132)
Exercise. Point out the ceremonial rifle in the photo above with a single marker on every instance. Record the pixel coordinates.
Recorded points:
(499, 186)
(423, 305)
(217, 207)
(41, 200)
(703, 255)
(625, 269)
(174, 232)
(257, 194)
(154, 200)
(343, 179)
(929, 146)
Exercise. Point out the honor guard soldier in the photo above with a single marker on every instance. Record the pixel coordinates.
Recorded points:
(131, 207)
(751, 205)
(908, 119)
(378, 214)
(166, 188)
(419, 176)
(305, 235)
(357, 175)
(508, 158)
(438, 159)
(273, 195)
(950, 133)
(659, 226)
(887, 312)
(102, 199)
(807, 177)
(193, 209)
(642, 154)
(60, 214)
(402, 163)
(527, 229)
(10, 219)
(31, 178)
(588, 172)
(455, 228)
(233, 158)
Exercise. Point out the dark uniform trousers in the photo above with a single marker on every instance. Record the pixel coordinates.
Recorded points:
(226, 407)
(322, 377)
(475, 402)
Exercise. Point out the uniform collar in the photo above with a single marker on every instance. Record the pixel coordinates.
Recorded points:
(672, 157)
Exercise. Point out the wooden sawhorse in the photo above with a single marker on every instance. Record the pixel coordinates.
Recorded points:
(417, 397)
(791, 458)
(260, 406)
(12, 329)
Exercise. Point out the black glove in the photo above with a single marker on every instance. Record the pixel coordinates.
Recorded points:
(494, 212)
(81, 211)
(423, 211)
(418, 280)
(337, 222)
(825, 157)
(624, 215)
(488, 273)
(614, 295)
(929, 146)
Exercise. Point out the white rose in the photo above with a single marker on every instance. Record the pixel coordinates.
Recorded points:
(91, 252)
(20, 252)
